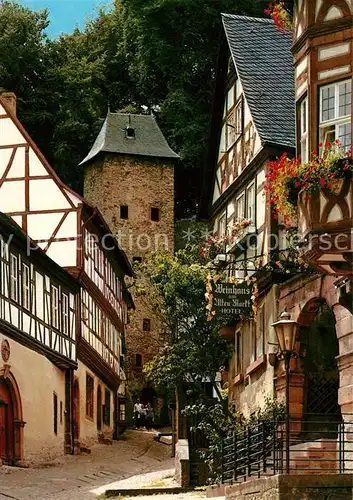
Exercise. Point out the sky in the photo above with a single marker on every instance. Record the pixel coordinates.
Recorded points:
(64, 15)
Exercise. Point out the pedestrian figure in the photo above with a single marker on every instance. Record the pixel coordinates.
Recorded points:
(143, 414)
(137, 414)
(149, 416)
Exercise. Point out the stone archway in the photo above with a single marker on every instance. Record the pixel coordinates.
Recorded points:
(11, 419)
(318, 349)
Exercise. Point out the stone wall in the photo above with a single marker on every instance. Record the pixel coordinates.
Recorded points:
(141, 184)
(182, 464)
(334, 487)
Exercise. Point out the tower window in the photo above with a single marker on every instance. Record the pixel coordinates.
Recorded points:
(124, 212)
(155, 214)
(138, 361)
(130, 132)
(146, 325)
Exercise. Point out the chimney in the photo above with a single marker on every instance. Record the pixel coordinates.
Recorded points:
(10, 101)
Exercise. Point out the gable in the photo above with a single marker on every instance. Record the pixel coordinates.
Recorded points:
(239, 140)
(32, 194)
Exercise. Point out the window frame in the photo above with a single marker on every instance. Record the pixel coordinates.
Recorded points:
(146, 322)
(155, 214)
(238, 355)
(122, 209)
(55, 307)
(238, 198)
(26, 286)
(55, 413)
(304, 133)
(332, 125)
(138, 357)
(251, 187)
(65, 299)
(107, 403)
(89, 396)
(14, 277)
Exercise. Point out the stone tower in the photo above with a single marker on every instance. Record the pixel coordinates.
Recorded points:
(129, 176)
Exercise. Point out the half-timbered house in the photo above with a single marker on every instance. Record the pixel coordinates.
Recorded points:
(76, 237)
(38, 333)
(253, 122)
(322, 383)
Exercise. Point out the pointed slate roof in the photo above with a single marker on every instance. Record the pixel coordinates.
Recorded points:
(263, 60)
(149, 139)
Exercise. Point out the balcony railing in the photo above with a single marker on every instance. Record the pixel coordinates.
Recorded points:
(318, 445)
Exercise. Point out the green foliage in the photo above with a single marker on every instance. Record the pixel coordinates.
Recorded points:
(194, 350)
(216, 425)
(160, 53)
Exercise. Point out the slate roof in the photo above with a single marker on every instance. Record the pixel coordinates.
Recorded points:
(149, 139)
(263, 59)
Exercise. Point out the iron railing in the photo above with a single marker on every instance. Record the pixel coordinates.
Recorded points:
(316, 446)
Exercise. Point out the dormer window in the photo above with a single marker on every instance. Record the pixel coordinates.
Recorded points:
(130, 132)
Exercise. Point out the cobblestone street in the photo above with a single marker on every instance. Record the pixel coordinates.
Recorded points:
(74, 477)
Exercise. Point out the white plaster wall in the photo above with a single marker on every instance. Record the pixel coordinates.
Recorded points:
(88, 427)
(248, 398)
(38, 379)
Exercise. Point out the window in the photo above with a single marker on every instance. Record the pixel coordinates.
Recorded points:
(55, 306)
(258, 334)
(14, 277)
(65, 306)
(304, 137)
(238, 118)
(146, 325)
(238, 353)
(155, 214)
(129, 132)
(137, 259)
(89, 396)
(250, 202)
(124, 212)
(222, 226)
(335, 113)
(26, 302)
(122, 412)
(107, 407)
(55, 413)
(240, 207)
(138, 361)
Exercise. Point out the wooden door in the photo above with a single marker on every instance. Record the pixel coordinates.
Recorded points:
(6, 424)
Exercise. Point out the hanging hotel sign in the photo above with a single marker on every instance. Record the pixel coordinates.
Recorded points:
(229, 299)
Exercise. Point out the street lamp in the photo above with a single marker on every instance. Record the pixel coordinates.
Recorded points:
(286, 330)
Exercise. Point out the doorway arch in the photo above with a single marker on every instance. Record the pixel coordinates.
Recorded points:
(11, 420)
(319, 349)
(99, 409)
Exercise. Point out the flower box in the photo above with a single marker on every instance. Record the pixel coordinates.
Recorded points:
(325, 223)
